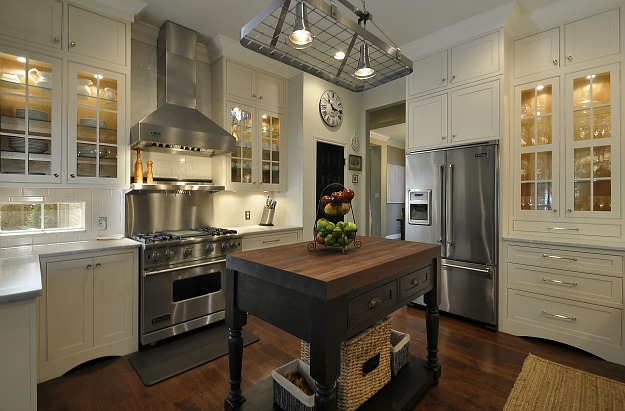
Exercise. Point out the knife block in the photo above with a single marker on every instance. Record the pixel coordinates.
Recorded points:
(267, 218)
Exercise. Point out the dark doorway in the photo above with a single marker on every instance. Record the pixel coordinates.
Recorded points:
(330, 169)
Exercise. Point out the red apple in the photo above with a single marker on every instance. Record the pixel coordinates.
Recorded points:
(325, 200)
(337, 197)
(348, 194)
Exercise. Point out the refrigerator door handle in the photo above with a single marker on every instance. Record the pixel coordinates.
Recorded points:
(441, 181)
(450, 205)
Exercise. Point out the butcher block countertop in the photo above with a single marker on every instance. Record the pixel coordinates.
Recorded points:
(326, 272)
(20, 275)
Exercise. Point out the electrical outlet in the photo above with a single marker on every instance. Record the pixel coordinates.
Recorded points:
(247, 214)
(102, 223)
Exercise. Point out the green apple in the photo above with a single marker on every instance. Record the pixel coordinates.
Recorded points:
(330, 226)
(328, 240)
(321, 223)
(341, 225)
(337, 232)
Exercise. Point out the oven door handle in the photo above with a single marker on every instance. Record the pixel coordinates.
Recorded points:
(169, 270)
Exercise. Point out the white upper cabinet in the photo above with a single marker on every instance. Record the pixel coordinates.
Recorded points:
(427, 124)
(96, 36)
(474, 60)
(537, 53)
(36, 21)
(254, 86)
(592, 37)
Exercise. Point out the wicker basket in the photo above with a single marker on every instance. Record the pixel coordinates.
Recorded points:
(286, 394)
(399, 351)
(365, 365)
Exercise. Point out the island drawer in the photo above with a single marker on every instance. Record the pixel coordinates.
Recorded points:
(567, 258)
(369, 305)
(557, 318)
(414, 282)
(580, 286)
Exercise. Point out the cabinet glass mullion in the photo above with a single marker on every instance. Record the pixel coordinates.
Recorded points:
(535, 142)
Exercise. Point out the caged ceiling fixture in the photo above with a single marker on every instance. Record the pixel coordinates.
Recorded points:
(315, 37)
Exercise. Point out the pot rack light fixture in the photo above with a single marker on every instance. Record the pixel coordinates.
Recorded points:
(315, 37)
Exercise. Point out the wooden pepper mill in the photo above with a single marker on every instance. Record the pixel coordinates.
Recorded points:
(150, 175)
(138, 168)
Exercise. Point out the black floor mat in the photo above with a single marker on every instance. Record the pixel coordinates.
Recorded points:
(179, 354)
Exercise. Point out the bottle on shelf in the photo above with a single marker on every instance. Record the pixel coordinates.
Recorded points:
(138, 168)
(150, 175)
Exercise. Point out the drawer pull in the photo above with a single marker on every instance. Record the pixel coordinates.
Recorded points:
(374, 302)
(562, 228)
(558, 257)
(562, 317)
(415, 281)
(271, 241)
(548, 280)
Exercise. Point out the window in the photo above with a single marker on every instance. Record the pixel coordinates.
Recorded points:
(41, 217)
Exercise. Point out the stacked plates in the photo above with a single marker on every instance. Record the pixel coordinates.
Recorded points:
(92, 122)
(91, 151)
(34, 146)
(32, 114)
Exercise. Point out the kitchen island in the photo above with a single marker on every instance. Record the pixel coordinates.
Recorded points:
(325, 297)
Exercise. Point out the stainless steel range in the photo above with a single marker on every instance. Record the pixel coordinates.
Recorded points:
(183, 260)
(182, 279)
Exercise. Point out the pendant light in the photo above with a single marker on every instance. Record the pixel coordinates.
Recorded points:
(301, 37)
(364, 69)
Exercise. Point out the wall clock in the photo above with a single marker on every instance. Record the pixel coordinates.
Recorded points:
(331, 108)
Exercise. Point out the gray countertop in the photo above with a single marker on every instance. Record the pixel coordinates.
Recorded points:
(20, 276)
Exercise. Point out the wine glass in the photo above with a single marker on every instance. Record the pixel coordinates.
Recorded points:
(602, 201)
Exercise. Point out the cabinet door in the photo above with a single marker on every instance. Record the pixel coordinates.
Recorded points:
(96, 36)
(271, 147)
(427, 122)
(475, 113)
(270, 90)
(536, 147)
(592, 37)
(113, 297)
(68, 307)
(475, 59)
(36, 21)
(537, 53)
(241, 81)
(428, 74)
(241, 121)
(96, 124)
(592, 103)
(30, 112)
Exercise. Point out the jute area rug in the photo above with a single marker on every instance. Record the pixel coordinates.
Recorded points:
(546, 385)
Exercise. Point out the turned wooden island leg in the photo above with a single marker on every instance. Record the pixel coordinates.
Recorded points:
(235, 320)
(431, 325)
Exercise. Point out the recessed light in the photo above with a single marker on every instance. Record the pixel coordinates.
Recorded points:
(21, 59)
(339, 55)
(540, 87)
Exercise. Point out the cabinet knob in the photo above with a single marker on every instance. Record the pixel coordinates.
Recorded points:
(453, 136)
(555, 210)
(72, 175)
(260, 98)
(555, 62)
(569, 58)
(453, 77)
(56, 39)
(72, 44)
(89, 266)
(444, 137)
(568, 210)
(98, 265)
(443, 80)
(254, 95)
(56, 174)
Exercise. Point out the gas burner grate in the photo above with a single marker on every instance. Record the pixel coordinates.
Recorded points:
(155, 237)
(215, 231)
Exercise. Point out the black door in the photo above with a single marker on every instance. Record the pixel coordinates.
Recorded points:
(330, 169)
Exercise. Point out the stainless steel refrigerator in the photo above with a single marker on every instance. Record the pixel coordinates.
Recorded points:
(452, 199)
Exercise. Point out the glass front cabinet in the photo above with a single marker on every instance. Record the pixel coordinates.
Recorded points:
(564, 179)
(30, 110)
(256, 163)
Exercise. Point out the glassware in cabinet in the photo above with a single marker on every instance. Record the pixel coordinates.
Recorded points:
(241, 127)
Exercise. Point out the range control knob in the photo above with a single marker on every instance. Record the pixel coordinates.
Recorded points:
(156, 256)
(210, 248)
(233, 246)
(169, 254)
(188, 251)
(224, 246)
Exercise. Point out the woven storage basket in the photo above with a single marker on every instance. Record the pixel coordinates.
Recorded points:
(365, 365)
(399, 351)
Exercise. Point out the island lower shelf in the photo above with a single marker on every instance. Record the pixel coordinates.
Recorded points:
(400, 394)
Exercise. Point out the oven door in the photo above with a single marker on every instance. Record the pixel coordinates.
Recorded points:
(178, 296)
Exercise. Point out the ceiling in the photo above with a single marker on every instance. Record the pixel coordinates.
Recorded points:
(401, 20)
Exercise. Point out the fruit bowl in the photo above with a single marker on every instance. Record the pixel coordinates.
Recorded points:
(335, 235)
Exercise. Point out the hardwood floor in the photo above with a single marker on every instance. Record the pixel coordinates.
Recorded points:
(479, 368)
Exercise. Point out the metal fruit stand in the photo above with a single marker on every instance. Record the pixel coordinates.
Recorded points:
(343, 238)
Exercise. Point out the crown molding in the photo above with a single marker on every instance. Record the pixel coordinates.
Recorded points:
(121, 9)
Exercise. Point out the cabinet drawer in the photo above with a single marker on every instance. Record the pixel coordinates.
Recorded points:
(563, 258)
(370, 304)
(566, 284)
(269, 240)
(566, 230)
(411, 284)
(558, 316)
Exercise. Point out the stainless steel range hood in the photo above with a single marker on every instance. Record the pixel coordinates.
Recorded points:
(177, 125)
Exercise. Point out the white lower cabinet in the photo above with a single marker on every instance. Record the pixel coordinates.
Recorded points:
(88, 309)
(573, 295)
(273, 239)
